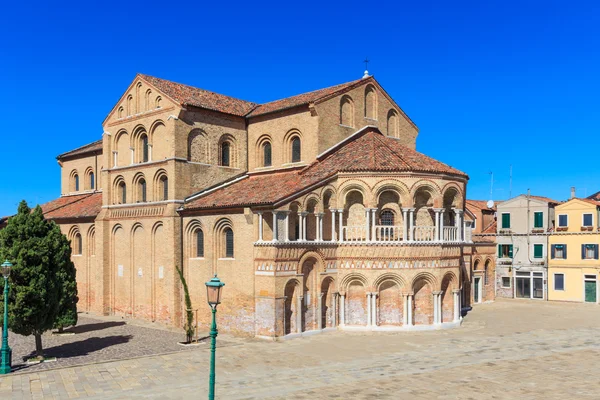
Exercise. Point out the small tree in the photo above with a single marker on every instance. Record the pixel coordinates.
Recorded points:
(67, 307)
(189, 325)
(40, 254)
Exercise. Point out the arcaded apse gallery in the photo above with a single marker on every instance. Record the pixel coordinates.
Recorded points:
(316, 211)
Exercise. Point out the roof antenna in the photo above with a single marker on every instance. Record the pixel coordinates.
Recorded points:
(366, 75)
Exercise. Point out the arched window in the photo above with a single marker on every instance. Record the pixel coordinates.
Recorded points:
(386, 218)
(122, 193)
(485, 273)
(267, 154)
(392, 123)
(370, 102)
(141, 190)
(199, 243)
(144, 147)
(77, 244)
(76, 180)
(158, 101)
(225, 153)
(228, 243)
(164, 183)
(120, 112)
(346, 111)
(296, 150)
(92, 181)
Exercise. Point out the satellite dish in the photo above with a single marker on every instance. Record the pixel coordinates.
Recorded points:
(490, 203)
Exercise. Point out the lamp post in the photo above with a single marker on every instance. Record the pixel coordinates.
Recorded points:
(213, 294)
(5, 350)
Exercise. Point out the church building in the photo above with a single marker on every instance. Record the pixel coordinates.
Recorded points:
(315, 210)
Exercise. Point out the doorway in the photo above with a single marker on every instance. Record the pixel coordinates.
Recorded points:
(477, 289)
(590, 288)
(523, 285)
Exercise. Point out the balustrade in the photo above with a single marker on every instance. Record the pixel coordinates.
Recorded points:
(423, 233)
(387, 233)
(354, 234)
(450, 234)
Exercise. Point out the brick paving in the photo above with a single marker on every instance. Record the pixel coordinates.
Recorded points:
(505, 350)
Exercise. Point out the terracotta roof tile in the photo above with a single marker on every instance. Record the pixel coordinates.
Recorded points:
(546, 199)
(86, 205)
(301, 99)
(370, 151)
(189, 95)
(595, 196)
(88, 148)
(491, 228)
(479, 205)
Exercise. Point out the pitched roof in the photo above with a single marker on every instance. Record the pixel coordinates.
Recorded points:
(595, 196)
(479, 205)
(88, 148)
(368, 151)
(86, 205)
(189, 95)
(301, 99)
(545, 199)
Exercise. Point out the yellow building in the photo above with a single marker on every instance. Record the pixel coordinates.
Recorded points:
(574, 265)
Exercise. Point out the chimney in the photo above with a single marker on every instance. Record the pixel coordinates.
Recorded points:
(572, 192)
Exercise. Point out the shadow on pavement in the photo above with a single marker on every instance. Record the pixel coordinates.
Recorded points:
(83, 347)
(94, 327)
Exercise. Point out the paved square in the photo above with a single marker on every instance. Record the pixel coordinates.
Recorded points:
(505, 350)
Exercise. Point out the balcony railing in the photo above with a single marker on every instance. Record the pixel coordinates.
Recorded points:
(388, 233)
(354, 234)
(424, 233)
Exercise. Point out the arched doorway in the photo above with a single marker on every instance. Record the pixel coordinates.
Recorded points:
(448, 287)
(310, 295)
(292, 321)
(423, 304)
(327, 303)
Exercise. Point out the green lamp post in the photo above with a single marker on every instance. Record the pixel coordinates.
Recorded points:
(213, 294)
(5, 350)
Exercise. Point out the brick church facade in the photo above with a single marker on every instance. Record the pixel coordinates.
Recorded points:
(315, 210)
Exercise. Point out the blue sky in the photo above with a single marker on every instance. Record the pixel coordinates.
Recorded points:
(489, 83)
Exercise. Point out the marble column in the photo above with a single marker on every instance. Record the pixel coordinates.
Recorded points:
(367, 224)
(341, 221)
(319, 313)
(410, 309)
(438, 212)
(368, 309)
(334, 306)
(286, 226)
(405, 309)
(373, 223)
(456, 295)
(333, 236)
(304, 224)
(405, 223)
(411, 216)
(374, 309)
(275, 233)
(260, 226)
(301, 226)
(299, 308)
(342, 309)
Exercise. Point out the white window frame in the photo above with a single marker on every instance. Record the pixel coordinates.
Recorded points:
(582, 219)
(533, 251)
(554, 281)
(558, 221)
(509, 282)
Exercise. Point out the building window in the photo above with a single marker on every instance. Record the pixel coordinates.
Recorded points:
(386, 218)
(505, 250)
(588, 220)
(505, 220)
(559, 281)
(228, 243)
(76, 180)
(296, 150)
(589, 251)
(267, 154)
(199, 243)
(558, 251)
(142, 191)
(485, 275)
(225, 153)
(78, 244)
(92, 181)
(538, 251)
(145, 155)
(563, 220)
(538, 219)
(164, 182)
(123, 193)
(506, 281)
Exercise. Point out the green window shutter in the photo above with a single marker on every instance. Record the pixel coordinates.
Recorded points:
(510, 250)
(538, 251)
(500, 250)
(505, 221)
(538, 220)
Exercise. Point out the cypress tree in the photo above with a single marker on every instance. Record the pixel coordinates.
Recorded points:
(41, 255)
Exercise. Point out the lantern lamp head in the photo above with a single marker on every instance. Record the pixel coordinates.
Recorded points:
(6, 266)
(213, 291)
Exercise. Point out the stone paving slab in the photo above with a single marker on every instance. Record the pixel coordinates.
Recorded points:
(505, 350)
